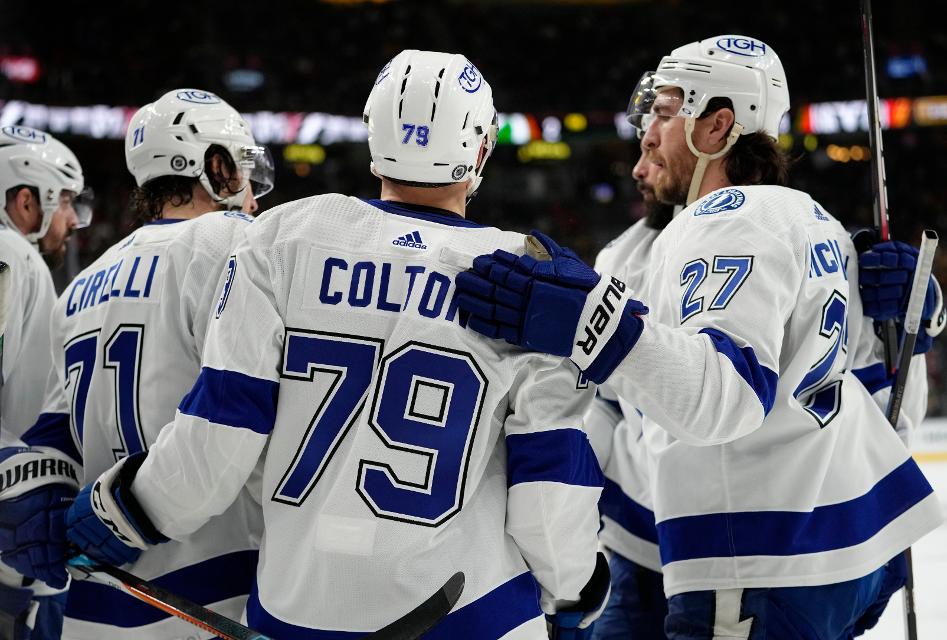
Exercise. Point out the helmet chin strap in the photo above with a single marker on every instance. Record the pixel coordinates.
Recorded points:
(703, 159)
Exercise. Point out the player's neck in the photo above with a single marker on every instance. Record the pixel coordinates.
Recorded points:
(450, 198)
(715, 177)
(199, 204)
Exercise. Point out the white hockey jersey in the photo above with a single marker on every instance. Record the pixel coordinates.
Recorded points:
(130, 330)
(626, 507)
(26, 351)
(399, 446)
(27, 361)
(772, 466)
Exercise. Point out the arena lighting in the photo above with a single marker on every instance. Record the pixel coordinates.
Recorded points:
(24, 69)
(542, 150)
(304, 153)
(297, 127)
(851, 116)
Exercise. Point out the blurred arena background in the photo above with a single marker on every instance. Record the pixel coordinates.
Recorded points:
(561, 72)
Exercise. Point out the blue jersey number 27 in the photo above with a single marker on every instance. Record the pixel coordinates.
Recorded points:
(424, 407)
(695, 272)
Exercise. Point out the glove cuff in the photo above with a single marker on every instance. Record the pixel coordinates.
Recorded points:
(23, 469)
(939, 318)
(601, 318)
(116, 506)
(613, 352)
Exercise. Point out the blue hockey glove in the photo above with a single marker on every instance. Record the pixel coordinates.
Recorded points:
(36, 488)
(558, 305)
(885, 275)
(576, 622)
(106, 522)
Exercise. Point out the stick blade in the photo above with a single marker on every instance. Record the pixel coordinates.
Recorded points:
(426, 615)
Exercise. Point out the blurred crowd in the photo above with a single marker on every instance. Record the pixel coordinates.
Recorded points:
(543, 57)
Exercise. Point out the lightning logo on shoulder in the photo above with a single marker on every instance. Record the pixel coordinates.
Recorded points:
(225, 294)
(725, 200)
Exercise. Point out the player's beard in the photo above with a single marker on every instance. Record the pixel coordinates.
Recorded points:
(658, 214)
(674, 181)
(54, 258)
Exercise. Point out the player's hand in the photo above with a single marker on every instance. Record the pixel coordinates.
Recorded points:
(559, 306)
(885, 275)
(576, 622)
(41, 486)
(106, 522)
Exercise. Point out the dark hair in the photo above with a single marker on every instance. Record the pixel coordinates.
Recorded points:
(12, 191)
(755, 158)
(147, 201)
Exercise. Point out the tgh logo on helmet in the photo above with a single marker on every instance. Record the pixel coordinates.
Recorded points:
(742, 46)
(197, 97)
(26, 134)
(470, 79)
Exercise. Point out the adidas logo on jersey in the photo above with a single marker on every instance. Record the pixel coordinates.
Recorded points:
(411, 240)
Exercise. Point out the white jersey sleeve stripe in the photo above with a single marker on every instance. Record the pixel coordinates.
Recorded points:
(761, 379)
(493, 615)
(233, 399)
(559, 455)
(788, 533)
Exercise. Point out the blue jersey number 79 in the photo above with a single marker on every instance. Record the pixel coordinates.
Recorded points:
(425, 404)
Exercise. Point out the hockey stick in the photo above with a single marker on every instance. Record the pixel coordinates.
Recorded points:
(912, 324)
(879, 182)
(409, 627)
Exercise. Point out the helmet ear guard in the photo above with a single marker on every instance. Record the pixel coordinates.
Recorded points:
(431, 120)
(33, 158)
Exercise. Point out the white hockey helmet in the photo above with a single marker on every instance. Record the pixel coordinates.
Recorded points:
(33, 158)
(431, 120)
(743, 69)
(170, 137)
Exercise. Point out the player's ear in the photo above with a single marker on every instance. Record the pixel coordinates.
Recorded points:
(220, 169)
(721, 122)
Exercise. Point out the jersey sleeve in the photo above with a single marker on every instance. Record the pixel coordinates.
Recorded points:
(869, 368)
(200, 462)
(553, 478)
(708, 373)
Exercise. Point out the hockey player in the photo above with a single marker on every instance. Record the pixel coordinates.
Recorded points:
(636, 606)
(400, 447)
(42, 185)
(780, 491)
(129, 331)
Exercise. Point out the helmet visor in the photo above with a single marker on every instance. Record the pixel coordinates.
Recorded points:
(83, 204)
(256, 162)
(652, 98)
